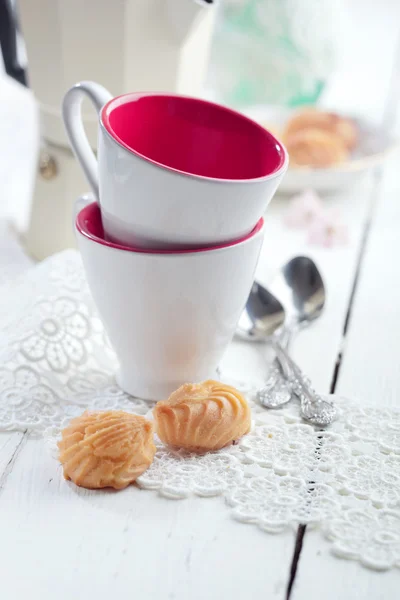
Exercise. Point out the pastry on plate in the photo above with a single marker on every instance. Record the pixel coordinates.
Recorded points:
(316, 148)
(203, 416)
(312, 118)
(106, 449)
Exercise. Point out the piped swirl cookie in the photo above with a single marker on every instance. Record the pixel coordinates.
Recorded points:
(201, 417)
(106, 449)
(316, 148)
(332, 123)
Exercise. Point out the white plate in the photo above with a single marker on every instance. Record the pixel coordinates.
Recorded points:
(373, 146)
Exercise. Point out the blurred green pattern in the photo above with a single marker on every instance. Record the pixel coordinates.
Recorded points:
(272, 51)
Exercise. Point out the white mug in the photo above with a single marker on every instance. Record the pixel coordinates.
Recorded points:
(169, 315)
(174, 171)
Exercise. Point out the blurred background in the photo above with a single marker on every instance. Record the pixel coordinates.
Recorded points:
(280, 55)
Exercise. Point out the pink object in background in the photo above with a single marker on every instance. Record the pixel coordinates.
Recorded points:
(328, 230)
(323, 225)
(303, 209)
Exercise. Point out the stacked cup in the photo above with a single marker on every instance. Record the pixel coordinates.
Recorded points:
(171, 245)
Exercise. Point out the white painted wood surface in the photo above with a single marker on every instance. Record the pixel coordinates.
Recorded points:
(369, 367)
(60, 541)
(369, 371)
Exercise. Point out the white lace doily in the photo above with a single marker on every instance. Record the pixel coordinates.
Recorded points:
(55, 359)
(56, 362)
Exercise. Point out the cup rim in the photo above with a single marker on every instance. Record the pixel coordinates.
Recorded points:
(125, 98)
(92, 210)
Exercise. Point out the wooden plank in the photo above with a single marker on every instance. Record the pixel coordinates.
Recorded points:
(316, 566)
(370, 369)
(337, 578)
(378, 287)
(370, 372)
(75, 543)
(10, 445)
(316, 348)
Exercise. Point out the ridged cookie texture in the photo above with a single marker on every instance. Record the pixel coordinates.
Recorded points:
(316, 148)
(106, 449)
(332, 123)
(203, 416)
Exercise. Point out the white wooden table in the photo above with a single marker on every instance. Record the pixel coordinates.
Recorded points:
(57, 541)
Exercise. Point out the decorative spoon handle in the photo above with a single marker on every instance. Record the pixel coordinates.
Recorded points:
(314, 408)
(277, 390)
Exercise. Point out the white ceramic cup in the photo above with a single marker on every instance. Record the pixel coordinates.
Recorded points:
(174, 171)
(169, 314)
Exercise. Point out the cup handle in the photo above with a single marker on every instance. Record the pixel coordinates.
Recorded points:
(72, 116)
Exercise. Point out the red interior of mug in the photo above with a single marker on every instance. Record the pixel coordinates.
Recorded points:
(88, 223)
(193, 136)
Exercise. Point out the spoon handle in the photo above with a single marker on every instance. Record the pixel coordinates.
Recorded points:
(313, 408)
(287, 364)
(286, 336)
(277, 390)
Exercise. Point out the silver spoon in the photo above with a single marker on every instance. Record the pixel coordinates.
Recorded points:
(299, 284)
(262, 315)
(301, 288)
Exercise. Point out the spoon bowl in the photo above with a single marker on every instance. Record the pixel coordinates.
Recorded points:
(301, 292)
(300, 288)
(262, 316)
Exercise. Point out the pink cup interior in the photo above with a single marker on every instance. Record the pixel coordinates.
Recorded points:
(89, 224)
(193, 136)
